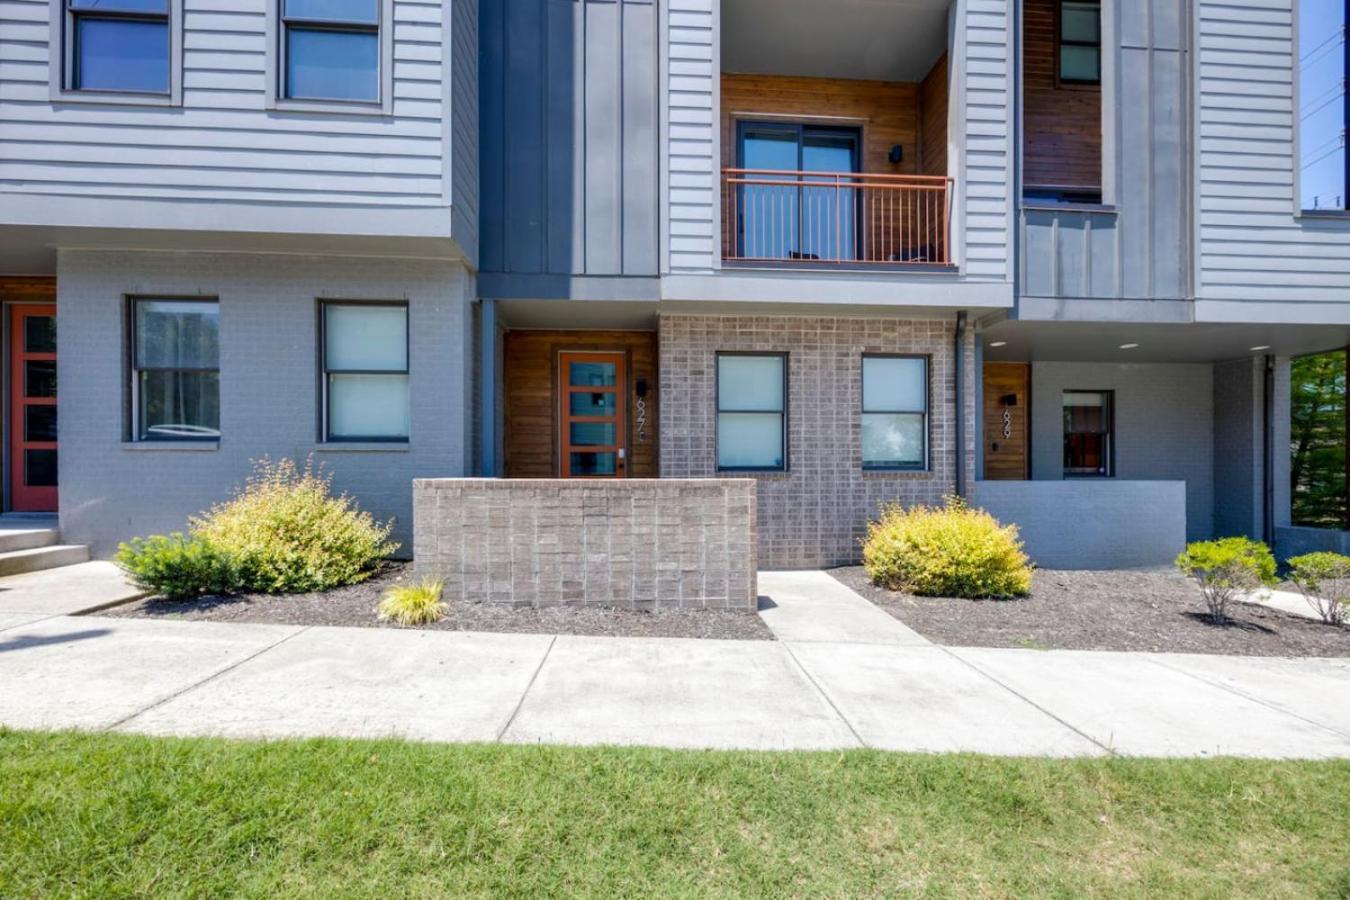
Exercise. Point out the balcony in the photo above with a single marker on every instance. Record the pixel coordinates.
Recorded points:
(778, 217)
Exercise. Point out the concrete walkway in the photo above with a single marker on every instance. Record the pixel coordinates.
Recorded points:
(839, 680)
(81, 588)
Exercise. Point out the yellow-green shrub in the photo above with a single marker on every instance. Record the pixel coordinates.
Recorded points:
(413, 604)
(289, 534)
(947, 551)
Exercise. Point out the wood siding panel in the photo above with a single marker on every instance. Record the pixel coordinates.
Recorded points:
(222, 143)
(1006, 456)
(27, 289)
(530, 373)
(933, 111)
(1062, 124)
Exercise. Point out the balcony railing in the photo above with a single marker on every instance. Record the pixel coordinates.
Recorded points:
(836, 218)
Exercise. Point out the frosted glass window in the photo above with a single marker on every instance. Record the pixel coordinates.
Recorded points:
(750, 382)
(368, 407)
(894, 412)
(366, 338)
(751, 412)
(365, 362)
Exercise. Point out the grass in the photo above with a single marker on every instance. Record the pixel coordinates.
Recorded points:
(97, 815)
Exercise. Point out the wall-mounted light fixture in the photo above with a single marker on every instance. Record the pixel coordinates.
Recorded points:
(896, 155)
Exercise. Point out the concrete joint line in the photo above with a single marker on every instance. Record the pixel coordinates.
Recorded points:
(825, 696)
(209, 678)
(1252, 698)
(1027, 700)
(510, 720)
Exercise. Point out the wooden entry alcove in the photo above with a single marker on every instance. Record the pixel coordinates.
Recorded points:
(533, 394)
(1007, 417)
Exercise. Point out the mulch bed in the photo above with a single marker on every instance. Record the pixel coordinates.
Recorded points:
(1117, 610)
(355, 605)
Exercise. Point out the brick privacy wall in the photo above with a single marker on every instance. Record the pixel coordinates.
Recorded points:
(816, 513)
(112, 490)
(631, 543)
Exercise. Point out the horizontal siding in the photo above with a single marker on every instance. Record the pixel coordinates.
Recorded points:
(1251, 245)
(222, 144)
(987, 129)
(693, 178)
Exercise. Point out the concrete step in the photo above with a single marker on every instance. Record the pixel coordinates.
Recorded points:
(16, 537)
(35, 559)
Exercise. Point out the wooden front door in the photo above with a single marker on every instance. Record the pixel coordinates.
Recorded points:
(592, 394)
(1007, 417)
(32, 407)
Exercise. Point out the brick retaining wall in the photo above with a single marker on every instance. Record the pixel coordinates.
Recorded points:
(631, 543)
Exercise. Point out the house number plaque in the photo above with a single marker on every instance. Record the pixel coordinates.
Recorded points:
(641, 420)
(1007, 424)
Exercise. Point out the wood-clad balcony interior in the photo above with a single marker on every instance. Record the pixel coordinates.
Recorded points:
(1061, 122)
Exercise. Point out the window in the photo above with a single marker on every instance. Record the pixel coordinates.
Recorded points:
(120, 46)
(752, 411)
(1087, 433)
(809, 217)
(1080, 42)
(176, 369)
(894, 412)
(365, 371)
(1323, 105)
(331, 50)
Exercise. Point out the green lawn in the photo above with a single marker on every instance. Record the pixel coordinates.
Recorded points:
(109, 815)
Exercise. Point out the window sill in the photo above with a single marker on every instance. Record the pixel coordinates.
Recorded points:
(1051, 206)
(115, 98)
(176, 446)
(897, 473)
(1340, 214)
(339, 107)
(363, 447)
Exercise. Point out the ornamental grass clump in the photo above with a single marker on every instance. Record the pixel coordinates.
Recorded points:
(413, 604)
(288, 533)
(947, 551)
(1227, 570)
(1324, 581)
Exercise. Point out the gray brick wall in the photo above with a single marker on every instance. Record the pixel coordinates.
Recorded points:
(1164, 426)
(632, 543)
(815, 513)
(112, 490)
(1239, 447)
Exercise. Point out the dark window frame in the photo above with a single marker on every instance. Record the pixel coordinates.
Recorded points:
(136, 405)
(718, 410)
(801, 130)
(341, 26)
(70, 47)
(1061, 42)
(926, 412)
(1109, 454)
(325, 434)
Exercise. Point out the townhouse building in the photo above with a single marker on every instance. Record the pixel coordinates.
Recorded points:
(1051, 255)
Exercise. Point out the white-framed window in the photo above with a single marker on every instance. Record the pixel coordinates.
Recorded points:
(331, 55)
(1323, 59)
(175, 369)
(752, 412)
(117, 51)
(894, 412)
(364, 360)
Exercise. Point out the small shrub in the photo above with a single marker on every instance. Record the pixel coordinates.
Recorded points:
(1324, 581)
(177, 567)
(1227, 569)
(413, 604)
(949, 551)
(289, 534)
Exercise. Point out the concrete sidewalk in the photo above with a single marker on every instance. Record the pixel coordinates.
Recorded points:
(189, 678)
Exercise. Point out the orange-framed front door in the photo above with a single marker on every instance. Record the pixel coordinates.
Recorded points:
(32, 407)
(591, 396)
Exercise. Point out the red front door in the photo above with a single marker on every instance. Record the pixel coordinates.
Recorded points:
(32, 407)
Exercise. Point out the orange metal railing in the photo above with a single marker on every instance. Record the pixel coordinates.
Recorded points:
(836, 217)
